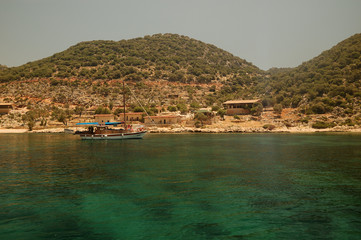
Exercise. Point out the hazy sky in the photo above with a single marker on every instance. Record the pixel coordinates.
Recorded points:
(268, 33)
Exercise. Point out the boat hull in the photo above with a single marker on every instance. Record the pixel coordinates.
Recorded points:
(113, 136)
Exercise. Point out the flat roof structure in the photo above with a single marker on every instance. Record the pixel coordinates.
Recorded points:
(242, 101)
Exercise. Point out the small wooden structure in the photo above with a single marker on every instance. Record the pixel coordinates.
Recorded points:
(5, 108)
(239, 107)
(162, 120)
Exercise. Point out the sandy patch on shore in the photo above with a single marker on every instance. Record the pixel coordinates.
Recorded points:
(5, 130)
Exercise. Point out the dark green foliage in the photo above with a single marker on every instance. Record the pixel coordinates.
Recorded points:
(194, 105)
(322, 125)
(215, 108)
(138, 109)
(201, 117)
(102, 110)
(79, 110)
(169, 56)
(118, 111)
(278, 108)
(324, 82)
(319, 108)
(221, 112)
(34, 115)
(182, 107)
(256, 109)
(269, 127)
(172, 108)
(61, 115)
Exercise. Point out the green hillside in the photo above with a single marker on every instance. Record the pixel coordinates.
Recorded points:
(162, 56)
(328, 82)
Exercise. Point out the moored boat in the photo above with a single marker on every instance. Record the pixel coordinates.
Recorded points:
(110, 131)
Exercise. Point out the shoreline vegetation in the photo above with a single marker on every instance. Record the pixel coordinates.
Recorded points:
(208, 129)
(288, 121)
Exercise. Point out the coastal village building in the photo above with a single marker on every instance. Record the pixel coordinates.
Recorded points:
(103, 118)
(5, 108)
(162, 120)
(239, 107)
(132, 116)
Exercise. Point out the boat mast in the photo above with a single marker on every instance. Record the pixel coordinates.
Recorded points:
(125, 126)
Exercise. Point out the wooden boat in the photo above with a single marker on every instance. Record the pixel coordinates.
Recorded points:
(109, 131)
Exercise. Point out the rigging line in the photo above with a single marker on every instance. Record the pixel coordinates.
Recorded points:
(140, 104)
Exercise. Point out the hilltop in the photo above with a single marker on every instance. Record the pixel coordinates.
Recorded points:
(170, 57)
(330, 82)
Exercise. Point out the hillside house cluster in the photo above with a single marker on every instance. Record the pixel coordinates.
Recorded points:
(233, 107)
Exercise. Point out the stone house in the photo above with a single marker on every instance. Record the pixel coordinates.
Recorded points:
(239, 107)
(162, 120)
(132, 116)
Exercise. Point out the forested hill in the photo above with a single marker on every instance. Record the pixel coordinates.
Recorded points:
(162, 56)
(329, 81)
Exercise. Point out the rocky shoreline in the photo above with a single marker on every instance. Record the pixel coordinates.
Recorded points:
(233, 129)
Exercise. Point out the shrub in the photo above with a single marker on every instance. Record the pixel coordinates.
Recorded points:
(322, 125)
(269, 127)
(256, 109)
(138, 109)
(318, 108)
(172, 108)
(349, 122)
(182, 108)
(101, 110)
(305, 120)
(277, 108)
(215, 108)
(221, 112)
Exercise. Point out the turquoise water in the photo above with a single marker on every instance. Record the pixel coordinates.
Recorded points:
(186, 186)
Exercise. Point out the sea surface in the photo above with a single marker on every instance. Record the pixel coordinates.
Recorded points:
(181, 186)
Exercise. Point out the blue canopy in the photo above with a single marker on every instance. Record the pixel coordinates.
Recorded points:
(113, 123)
(97, 124)
(88, 123)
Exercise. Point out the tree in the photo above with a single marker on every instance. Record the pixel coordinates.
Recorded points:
(194, 105)
(201, 117)
(257, 109)
(29, 119)
(172, 108)
(102, 110)
(277, 108)
(79, 110)
(182, 107)
(221, 112)
(138, 109)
